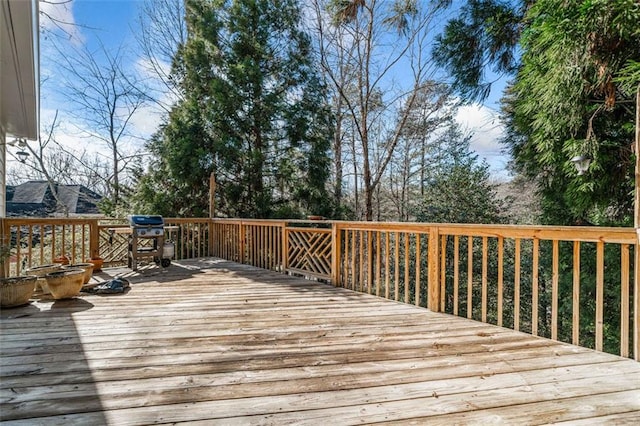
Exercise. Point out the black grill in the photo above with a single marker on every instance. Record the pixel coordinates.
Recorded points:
(151, 229)
(146, 226)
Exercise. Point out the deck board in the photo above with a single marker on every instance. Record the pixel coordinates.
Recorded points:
(209, 341)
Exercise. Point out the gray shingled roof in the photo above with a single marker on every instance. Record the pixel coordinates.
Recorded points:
(35, 198)
(31, 192)
(68, 195)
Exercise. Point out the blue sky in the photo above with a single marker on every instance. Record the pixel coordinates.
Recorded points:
(110, 18)
(113, 22)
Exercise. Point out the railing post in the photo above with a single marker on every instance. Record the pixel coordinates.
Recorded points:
(433, 294)
(211, 237)
(636, 225)
(336, 254)
(241, 243)
(94, 239)
(636, 298)
(285, 248)
(5, 248)
(212, 195)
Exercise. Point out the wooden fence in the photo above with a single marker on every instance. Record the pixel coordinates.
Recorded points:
(574, 284)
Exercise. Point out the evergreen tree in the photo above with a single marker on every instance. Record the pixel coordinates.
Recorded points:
(483, 37)
(566, 98)
(565, 102)
(457, 187)
(254, 112)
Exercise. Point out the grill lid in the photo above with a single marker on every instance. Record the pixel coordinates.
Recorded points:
(146, 220)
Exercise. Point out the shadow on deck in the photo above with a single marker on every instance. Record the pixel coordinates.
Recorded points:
(212, 341)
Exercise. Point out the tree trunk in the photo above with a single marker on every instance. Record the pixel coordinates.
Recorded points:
(337, 159)
(116, 179)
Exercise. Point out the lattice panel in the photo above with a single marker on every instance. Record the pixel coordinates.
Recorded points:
(310, 252)
(113, 247)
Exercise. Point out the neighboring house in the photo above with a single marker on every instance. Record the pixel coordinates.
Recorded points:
(35, 198)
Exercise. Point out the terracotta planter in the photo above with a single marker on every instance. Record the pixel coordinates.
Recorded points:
(63, 260)
(66, 283)
(97, 263)
(16, 291)
(86, 267)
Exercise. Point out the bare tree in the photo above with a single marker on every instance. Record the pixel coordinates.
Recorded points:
(161, 30)
(51, 168)
(56, 164)
(417, 151)
(382, 47)
(105, 97)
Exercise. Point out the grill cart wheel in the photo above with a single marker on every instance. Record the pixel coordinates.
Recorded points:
(165, 263)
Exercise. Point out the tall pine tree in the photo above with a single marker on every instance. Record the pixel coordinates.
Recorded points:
(254, 112)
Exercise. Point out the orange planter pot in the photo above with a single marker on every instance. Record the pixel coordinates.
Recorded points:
(63, 260)
(97, 263)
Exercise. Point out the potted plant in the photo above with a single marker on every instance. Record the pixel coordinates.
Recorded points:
(15, 291)
(66, 283)
(97, 263)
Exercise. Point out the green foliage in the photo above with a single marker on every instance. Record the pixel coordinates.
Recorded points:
(572, 94)
(629, 77)
(565, 102)
(458, 188)
(484, 35)
(255, 113)
(177, 183)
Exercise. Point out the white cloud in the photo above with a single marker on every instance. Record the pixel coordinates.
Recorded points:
(56, 16)
(146, 68)
(146, 120)
(155, 76)
(485, 125)
(76, 138)
(68, 133)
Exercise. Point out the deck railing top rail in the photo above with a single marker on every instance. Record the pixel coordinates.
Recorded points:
(545, 232)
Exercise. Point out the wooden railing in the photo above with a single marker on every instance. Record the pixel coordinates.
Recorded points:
(29, 242)
(574, 284)
(300, 247)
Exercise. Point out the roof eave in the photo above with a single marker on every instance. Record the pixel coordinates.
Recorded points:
(19, 68)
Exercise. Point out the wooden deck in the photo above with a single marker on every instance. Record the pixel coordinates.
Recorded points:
(213, 342)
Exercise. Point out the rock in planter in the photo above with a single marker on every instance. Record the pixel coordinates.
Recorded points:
(16, 291)
(66, 283)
